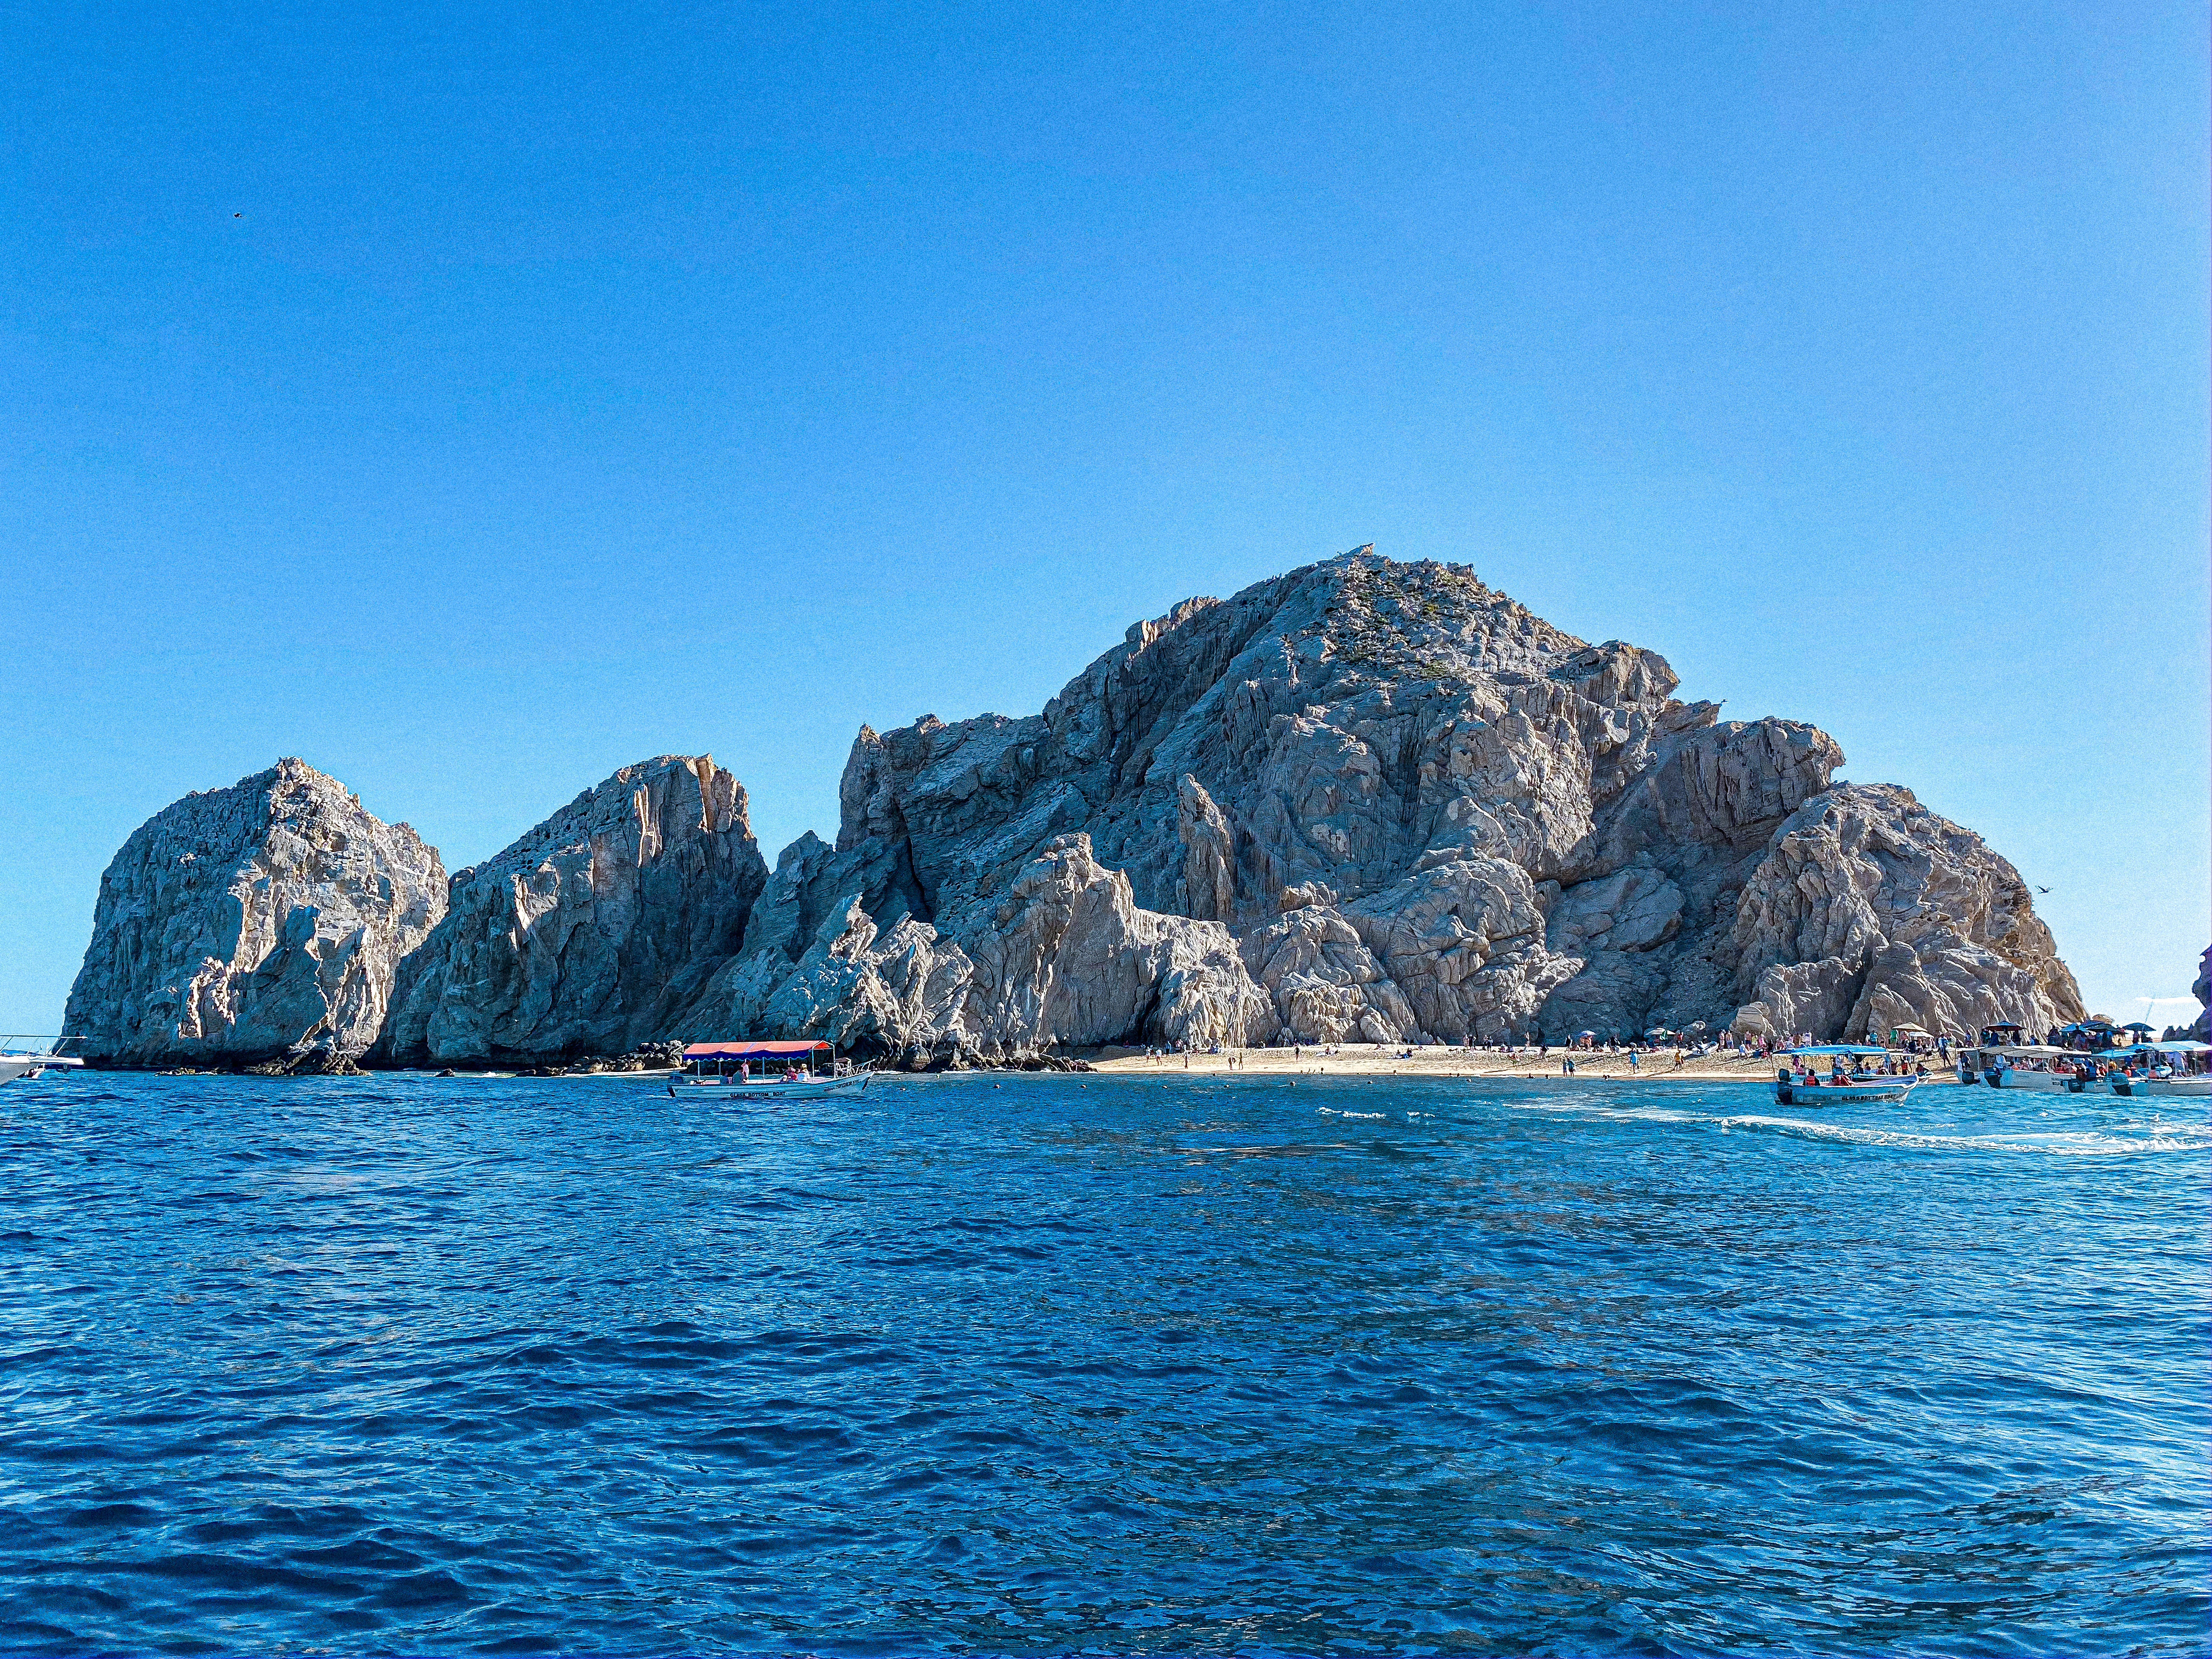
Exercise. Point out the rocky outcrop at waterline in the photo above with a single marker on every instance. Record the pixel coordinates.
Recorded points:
(1362, 800)
(1418, 811)
(262, 924)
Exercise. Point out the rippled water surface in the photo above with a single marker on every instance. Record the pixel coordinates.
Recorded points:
(1039, 1365)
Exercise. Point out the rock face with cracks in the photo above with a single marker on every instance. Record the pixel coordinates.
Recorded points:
(1361, 801)
(1380, 802)
(258, 923)
(586, 935)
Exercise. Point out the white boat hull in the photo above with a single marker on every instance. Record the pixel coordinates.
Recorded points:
(774, 1089)
(1843, 1094)
(2136, 1088)
(2013, 1077)
(29, 1066)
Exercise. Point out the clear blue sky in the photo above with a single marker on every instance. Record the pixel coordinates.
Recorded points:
(473, 398)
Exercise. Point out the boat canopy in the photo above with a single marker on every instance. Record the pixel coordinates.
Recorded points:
(1837, 1049)
(2035, 1050)
(2182, 1046)
(751, 1050)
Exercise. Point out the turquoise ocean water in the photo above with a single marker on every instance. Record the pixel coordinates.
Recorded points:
(1044, 1365)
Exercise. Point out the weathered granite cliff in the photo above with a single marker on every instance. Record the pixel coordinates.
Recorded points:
(585, 935)
(1361, 801)
(256, 923)
(1376, 801)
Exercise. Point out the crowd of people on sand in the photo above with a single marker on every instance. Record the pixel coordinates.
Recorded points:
(1679, 1048)
(2094, 1048)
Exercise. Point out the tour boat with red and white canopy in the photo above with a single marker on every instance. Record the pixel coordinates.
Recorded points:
(757, 1070)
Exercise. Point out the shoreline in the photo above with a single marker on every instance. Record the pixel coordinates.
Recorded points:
(1361, 1059)
(1381, 1059)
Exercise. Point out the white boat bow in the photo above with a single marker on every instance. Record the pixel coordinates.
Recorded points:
(27, 1063)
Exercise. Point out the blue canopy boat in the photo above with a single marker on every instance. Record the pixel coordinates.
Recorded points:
(1846, 1082)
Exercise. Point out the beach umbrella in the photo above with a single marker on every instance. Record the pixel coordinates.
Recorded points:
(2136, 1025)
(1582, 1034)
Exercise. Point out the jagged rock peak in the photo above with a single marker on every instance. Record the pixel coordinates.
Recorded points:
(1517, 831)
(258, 922)
(586, 933)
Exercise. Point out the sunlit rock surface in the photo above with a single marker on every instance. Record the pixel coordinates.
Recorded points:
(1419, 812)
(258, 923)
(1362, 801)
(586, 935)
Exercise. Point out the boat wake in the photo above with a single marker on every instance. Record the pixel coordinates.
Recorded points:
(2154, 1136)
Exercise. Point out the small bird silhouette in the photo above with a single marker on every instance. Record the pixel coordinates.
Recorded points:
(237, 216)
(2043, 890)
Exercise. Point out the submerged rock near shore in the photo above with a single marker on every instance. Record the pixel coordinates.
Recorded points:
(1361, 801)
(260, 924)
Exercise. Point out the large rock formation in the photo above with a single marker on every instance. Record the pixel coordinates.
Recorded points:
(1375, 801)
(587, 933)
(256, 923)
(1362, 800)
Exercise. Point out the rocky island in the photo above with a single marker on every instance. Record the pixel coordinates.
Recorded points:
(1362, 801)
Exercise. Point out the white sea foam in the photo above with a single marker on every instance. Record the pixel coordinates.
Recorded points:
(2156, 1136)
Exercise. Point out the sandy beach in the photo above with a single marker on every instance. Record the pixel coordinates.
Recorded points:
(1375, 1058)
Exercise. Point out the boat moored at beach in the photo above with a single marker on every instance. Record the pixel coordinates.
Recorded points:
(2153, 1069)
(2032, 1066)
(752, 1070)
(1855, 1072)
(2099, 1064)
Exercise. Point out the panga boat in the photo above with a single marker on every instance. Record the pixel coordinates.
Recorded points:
(2153, 1069)
(2130, 1069)
(771, 1071)
(2031, 1065)
(27, 1063)
(1803, 1086)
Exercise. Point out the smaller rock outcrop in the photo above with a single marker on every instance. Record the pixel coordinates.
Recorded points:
(1870, 912)
(258, 925)
(1066, 958)
(586, 935)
